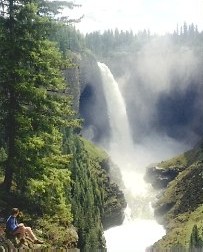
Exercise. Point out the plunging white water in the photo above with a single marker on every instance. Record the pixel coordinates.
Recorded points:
(121, 141)
(120, 132)
(134, 236)
(121, 147)
(136, 233)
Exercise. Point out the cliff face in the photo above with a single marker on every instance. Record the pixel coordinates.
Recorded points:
(179, 204)
(113, 198)
(85, 85)
(159, 177)
(114, 207)
(83, 73)
(72, 76)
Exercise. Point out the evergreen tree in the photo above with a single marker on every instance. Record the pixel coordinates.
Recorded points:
(33, 108)
(68, 39)
(87, 195)
(195, 240)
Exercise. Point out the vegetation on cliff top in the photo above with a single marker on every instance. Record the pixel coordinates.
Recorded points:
(184, 160)
(180, 205)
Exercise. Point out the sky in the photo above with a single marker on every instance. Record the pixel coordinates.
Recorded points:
(159, 16)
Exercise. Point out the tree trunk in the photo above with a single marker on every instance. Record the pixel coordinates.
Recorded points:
(10, 139)
(10, 120)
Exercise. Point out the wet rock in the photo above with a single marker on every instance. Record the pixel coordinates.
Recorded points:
(159, 177)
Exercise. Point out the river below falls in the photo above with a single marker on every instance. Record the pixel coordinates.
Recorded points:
(133, 235)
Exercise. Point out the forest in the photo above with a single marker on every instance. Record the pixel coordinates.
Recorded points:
(56, 177)
(47, 169)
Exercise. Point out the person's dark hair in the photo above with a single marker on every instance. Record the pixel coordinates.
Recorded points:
(14, 211)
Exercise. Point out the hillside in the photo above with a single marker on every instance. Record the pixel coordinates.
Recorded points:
(179, 203)
(92, 189)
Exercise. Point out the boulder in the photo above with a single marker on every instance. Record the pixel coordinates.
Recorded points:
(159, 177)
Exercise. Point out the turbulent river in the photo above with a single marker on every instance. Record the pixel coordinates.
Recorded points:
(139, 229)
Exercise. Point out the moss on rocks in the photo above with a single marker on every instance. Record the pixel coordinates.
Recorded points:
(180, 205)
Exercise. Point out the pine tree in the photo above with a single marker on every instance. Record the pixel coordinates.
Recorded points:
(195, 239)
(33, 107)
(86, 196)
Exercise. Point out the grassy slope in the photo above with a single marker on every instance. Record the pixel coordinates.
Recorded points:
(95, 152)
(180, 228)
(181, 204)
(185, 159)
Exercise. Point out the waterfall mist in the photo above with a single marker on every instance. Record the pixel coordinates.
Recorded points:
(162, 87)
(120, 139)
(123, 152)
(121, 147)
(153, 111)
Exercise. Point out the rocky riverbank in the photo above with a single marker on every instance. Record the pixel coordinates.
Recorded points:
(179, 203)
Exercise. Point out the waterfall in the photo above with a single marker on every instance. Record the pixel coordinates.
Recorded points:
(136, 233)
(120, 130)
(121, 147)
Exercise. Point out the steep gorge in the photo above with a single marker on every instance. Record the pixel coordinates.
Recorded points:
(177, 181)
(165, 110)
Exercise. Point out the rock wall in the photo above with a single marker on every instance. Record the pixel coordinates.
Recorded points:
(179, 197)
(85, 85)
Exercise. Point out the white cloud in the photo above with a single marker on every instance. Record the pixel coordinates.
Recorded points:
(159, 16)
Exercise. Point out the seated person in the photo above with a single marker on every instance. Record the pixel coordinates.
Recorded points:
(21, 230)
